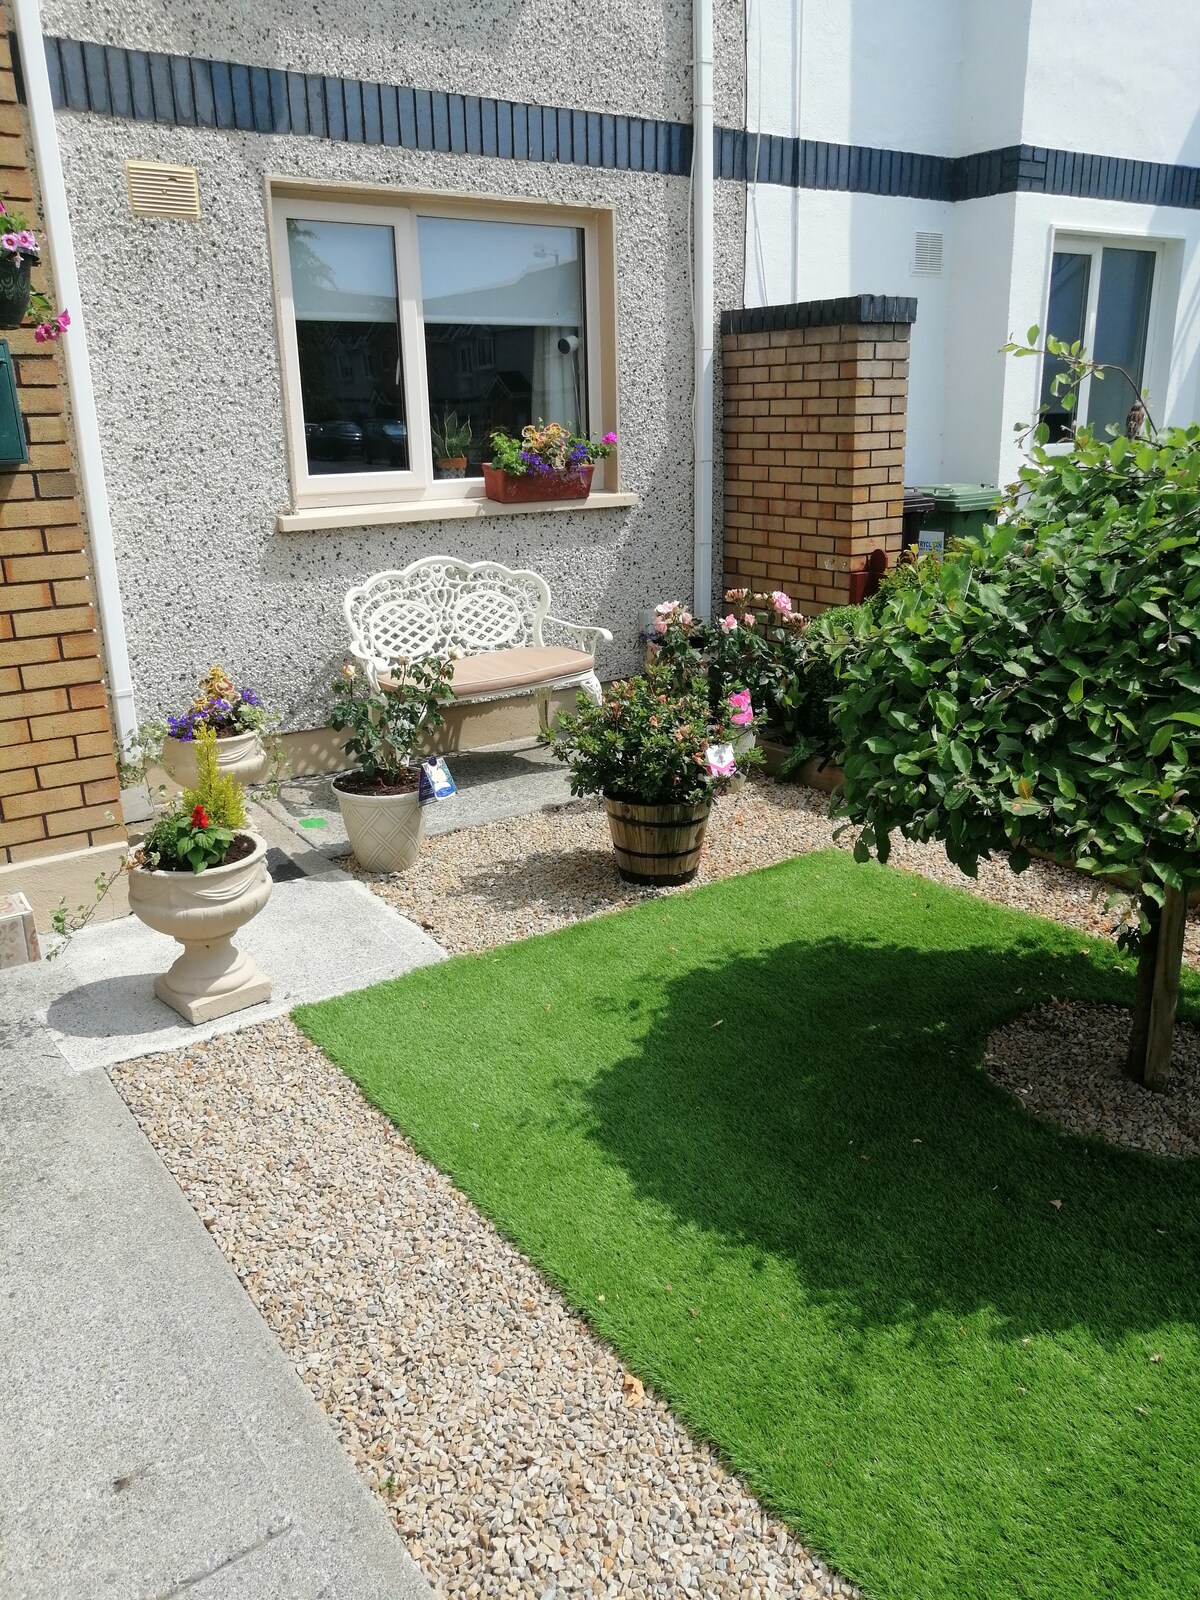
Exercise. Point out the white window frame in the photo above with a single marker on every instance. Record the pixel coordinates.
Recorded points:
(1071, 241)
(287, 200)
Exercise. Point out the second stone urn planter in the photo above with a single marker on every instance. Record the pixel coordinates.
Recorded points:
(239, 755)
(203, 910)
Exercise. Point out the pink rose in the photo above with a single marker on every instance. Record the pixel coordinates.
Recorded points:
(781, 601)
(728, 624)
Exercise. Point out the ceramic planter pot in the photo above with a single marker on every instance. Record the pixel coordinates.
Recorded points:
(14, 291)
(239, 755)
(385, 830)
(536, 486)
(451, 466)
(203, 910)
(657, 844)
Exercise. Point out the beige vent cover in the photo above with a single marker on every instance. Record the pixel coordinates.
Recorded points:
(927, 255)
(159, 190)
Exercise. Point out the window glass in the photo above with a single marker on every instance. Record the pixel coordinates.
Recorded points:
(1122, 320)
(348, 340)
(504, 327)
(1069, 274)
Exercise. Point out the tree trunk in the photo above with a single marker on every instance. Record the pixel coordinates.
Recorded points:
(1159, 963)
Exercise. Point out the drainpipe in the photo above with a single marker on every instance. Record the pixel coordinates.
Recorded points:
(79, 373)
(702, 300)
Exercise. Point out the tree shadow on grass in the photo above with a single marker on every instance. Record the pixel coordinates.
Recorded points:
(824, 1104)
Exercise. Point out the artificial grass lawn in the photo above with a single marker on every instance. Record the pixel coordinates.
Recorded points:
(746, 1131)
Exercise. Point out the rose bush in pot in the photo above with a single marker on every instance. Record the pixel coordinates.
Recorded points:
(379, 799)
(655, 753)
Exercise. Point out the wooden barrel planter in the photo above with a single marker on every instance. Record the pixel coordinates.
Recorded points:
(657, 845)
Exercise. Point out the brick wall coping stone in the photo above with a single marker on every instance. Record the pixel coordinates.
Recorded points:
(848, 309)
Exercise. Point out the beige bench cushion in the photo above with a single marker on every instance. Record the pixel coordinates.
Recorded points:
(522, 668)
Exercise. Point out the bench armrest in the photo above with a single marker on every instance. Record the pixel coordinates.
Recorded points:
(588, 639)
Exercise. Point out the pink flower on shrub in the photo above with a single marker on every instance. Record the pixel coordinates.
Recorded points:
(781, 602)
(666, 607)
(743, 711)
(54, 329)
(610, 438)
(728, 624)
(749, 619)
(721, 769)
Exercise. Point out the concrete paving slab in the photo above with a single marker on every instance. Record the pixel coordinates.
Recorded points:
(321, 933)
(156, 1441)
(511, 780)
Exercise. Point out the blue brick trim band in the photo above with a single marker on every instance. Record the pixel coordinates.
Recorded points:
(147, 86)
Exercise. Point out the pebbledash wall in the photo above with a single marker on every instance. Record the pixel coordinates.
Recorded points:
(993, 127)
(182, 321)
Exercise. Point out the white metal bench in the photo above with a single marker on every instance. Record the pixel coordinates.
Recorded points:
(489, 620)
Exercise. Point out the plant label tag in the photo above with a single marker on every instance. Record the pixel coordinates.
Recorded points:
(436, 782)
(721, 760)
(931, 541)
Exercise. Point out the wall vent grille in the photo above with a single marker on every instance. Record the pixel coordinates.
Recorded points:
(927, 255)
(159, 190)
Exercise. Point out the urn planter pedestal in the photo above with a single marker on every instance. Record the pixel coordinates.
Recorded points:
(203, 910)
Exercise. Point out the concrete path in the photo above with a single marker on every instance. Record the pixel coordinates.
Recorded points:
(509, 780)
(154, 1439)
(322, 933)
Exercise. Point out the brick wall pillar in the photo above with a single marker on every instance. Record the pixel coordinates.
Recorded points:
(815, 401)
(59, 793)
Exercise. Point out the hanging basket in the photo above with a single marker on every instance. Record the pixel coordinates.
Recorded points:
(657, 844)
(531, 486)
(14, 290)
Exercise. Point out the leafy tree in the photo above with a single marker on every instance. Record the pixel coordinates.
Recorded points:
(1040, 688)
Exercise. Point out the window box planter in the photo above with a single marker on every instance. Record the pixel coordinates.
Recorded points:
(530, 487)
(203, 910)
(657, 845)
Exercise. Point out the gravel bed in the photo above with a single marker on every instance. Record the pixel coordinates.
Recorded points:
(505, 880)
(1062, 1061)
(515, 1453)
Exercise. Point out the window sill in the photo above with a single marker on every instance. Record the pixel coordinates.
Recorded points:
(318, 519)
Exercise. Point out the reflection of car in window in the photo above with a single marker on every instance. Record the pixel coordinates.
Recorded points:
(386, 439)
(333, 441)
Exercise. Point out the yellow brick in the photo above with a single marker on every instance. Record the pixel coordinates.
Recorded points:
(58, 619)
(46, 675)
(43, 802)
(33, 754)
(28, 569)
(37, 513)
(86, 817)
(78, 771)
(66, 724)
(74, 592)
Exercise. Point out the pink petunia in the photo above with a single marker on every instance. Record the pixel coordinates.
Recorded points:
(610, 438)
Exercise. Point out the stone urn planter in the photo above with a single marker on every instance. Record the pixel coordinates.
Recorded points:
(385, 830)
(657, 844)
(203, 910)
(239, 755)
(532, 486)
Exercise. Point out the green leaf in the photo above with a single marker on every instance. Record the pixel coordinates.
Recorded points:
(1075, 692)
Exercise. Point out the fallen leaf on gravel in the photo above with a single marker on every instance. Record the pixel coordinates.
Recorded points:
(635, 1393)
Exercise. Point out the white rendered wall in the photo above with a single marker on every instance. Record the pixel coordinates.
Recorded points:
(951, 77)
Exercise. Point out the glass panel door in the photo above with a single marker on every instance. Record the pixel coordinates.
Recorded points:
(1122, 323)
(1070, 273)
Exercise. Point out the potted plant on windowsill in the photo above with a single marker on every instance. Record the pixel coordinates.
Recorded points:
(237, 719)
(548, 462)
(450, 442)
(198, 876)
(20, 252)
(656, 755)
(379, 799)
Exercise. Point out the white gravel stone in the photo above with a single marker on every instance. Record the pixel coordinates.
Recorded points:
(496, 1427)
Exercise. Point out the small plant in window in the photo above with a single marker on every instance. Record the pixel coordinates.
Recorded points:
(450, 440)
(20, 252)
